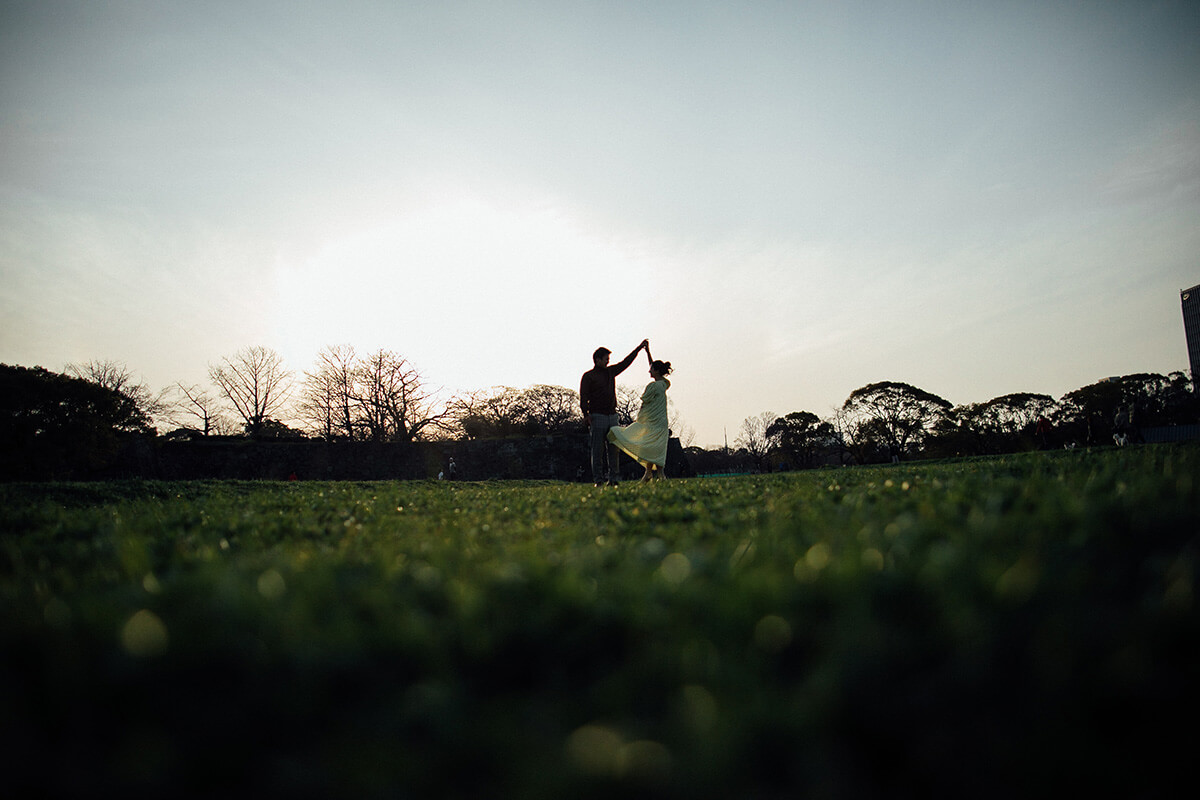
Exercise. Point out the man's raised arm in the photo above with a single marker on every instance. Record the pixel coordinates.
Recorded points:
(619, 367)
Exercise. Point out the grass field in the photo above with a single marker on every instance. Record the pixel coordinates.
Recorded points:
(998, 627)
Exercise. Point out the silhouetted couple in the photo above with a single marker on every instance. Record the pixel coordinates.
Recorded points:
(646, 439)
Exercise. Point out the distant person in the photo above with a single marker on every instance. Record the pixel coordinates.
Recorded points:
(598, 399)
(1121, 427)
(646, 439)
(452, 469)
(1043, 432)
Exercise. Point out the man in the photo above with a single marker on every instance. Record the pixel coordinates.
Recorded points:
(598, 399)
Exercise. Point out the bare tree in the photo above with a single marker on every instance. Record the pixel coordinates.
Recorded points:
(393, 404)
(679, 428)
(317, 406)
(256, 384)
(629, 402)
(753, 437)
(194, 404)
(328, 400)
(115, 375)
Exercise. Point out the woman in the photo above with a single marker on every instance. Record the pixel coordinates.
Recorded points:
(646, 439)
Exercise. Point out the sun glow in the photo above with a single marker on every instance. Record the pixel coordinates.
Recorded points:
(475, 266)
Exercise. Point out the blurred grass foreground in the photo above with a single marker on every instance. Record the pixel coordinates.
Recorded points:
(1009, 626)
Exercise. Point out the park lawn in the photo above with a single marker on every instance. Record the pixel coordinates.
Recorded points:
(983, 627)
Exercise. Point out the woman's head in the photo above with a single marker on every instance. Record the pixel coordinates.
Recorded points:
(661, 368)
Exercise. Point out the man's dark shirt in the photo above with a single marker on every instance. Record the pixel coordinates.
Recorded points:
(598, 387)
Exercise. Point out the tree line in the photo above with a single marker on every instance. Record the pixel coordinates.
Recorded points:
(891, 420)
(345, 396)
(382, 397)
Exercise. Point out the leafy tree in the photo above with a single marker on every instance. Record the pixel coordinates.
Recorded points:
(492, 413)
(1003, 424)
(717, 461)
(551, 409)
(963, 430)
(801, 437)
(115, 375)
(255, 382)
(1088, 413)
(1179, 402)
(274, 429)
(59, 426)
(1014, 414)
(893, 415)
(539, 410)
(863, 438)
(504, 411)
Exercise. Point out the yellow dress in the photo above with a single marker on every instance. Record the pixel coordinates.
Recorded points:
(646, 439)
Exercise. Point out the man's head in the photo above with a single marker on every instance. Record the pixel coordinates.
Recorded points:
(600, 357)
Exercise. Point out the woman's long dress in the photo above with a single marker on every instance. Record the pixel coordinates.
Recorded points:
(646, 439)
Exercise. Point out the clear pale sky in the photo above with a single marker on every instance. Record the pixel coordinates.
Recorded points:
(790, 199)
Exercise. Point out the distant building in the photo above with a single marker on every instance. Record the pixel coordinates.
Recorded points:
(1190, 300)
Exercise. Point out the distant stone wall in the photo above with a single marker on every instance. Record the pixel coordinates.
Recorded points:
(244, 459)
(564, 458)
(1171, 433)
(536, 458)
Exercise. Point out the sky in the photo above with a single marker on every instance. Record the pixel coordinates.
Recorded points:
(791, 200)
